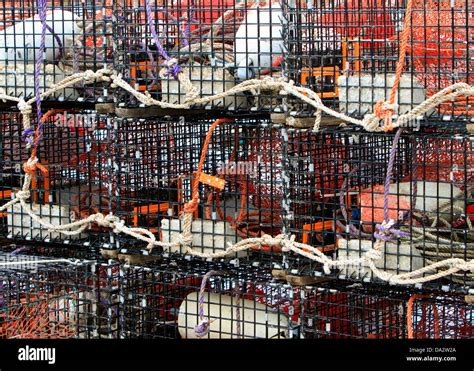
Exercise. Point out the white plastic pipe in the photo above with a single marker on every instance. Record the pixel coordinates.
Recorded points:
(256, 320)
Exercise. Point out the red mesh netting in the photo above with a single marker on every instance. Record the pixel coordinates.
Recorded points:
(442, 45)
(39, 317)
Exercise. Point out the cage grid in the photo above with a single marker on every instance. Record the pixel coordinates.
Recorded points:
(347, 52)
(56, 298)
(171, 300)
(75, 150)
(50, 298)
(79, 37)
(258, 178)
(239, 302)
(216, 44)
(374, 312)
(430, 197)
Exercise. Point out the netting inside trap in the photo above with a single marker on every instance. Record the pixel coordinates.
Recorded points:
(35, 316)
(440, 317)
(442, 47)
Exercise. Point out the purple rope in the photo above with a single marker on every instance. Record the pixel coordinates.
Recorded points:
(27, 135)
(389, 233)
(202, 328)
(21, 249)
(42, 4)
(187, 30)
(174, 69)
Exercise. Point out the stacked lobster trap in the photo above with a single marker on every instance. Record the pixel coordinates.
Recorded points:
(236, 219)
(347, 52)
(77, 37)
(56, 298)
(216, 44)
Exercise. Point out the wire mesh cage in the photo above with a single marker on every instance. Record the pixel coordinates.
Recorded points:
(75, 179)
(45, 298)
(342, 312)
(347, 52)
(239, 185)
(440, 317)
(210, 301)
(429, 199)
(374, 312)
(215, 43)
(77, 37)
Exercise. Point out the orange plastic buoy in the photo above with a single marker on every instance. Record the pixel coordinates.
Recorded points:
(371, 203)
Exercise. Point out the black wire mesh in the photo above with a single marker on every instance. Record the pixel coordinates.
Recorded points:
(56, 299)
(347, 52)
(76, 150)
(217, 43)
(240, 189)
(163, 301)
(430, 199)
(370, 312)
(78, 38)
(440, 317)
(326, 189)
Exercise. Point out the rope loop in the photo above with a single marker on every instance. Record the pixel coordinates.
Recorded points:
(192, 205)
(386, 231)
(24, 107)
(22, 195)
(32, 165)
(202, 328)
(173, 69)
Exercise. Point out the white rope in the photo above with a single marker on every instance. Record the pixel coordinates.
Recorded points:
(370, 122)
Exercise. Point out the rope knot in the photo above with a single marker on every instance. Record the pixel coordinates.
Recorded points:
(285, 243)
(27, 135)
(386, 232)
(183, 240)
(202, 328)
(465, 266)
(31, 165)
(191, 206)
(22, 195)
(268, 240)
(24, 107)
(106, 220)
(383, 110)
(90, 76)
(173, 69)
(373, 254)
(268, 83)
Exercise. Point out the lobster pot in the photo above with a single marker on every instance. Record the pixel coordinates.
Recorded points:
(76, 152)
(216, 44)
(239, 189)
(155, 160)
(429, 199)
(374, 312)
(440, 317)
(47, 299)
(336, 311)
(347, 52)
(78, 38)
(11, 154)
(162, 301)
